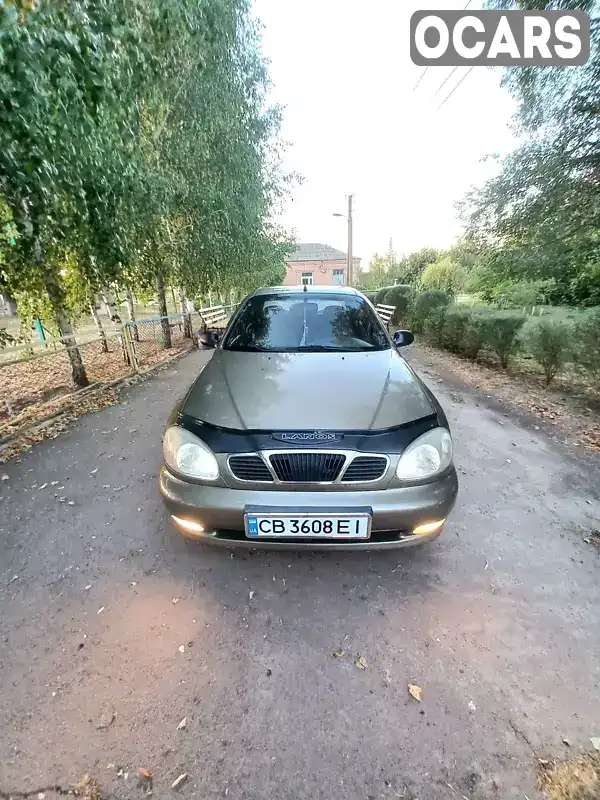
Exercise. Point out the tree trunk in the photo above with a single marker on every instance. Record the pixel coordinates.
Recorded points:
(174, 300)
(61, 318)
(131, 315)
(94, 308)
(9, 303)
(111, 307)
(187, 317)
(162, 310)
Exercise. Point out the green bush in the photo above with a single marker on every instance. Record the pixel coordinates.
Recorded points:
(434, 326)
(455, 326)
(463, 330)
(370, 296)
(548, 340)
(380, 294)
(423, 305)
(400, 297)
(501, 333)
(474, 334)
(587, 342)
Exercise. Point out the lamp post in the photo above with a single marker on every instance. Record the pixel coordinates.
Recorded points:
(348, 217)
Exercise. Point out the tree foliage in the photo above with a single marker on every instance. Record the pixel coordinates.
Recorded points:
(445, 275)
(539, 218)
(136, 146)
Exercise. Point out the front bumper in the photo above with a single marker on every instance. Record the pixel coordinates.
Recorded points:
(396, 512)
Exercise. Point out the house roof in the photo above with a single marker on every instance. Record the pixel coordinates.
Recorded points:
(313, 251)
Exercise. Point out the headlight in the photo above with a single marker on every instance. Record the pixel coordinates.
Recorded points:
(426, 456)
(185, 453)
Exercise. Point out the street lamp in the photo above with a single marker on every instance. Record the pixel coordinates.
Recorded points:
(348, 217)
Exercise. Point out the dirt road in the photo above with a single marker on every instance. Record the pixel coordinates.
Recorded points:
(113, 630)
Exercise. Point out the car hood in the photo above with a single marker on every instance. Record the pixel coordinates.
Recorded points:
(307, 391)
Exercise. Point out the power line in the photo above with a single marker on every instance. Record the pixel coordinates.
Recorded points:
(445, 100)
(444, 82)
(420, 79)
(426, 68)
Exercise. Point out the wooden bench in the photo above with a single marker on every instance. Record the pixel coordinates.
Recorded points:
(213, 317)
(385, 312)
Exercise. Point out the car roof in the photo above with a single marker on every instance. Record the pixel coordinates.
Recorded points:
(334, 290)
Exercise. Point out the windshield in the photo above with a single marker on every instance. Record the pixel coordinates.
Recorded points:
(303, 322)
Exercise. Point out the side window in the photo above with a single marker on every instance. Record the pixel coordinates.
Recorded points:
(307, 279)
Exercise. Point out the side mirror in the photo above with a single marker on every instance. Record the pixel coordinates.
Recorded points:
(403, 338)
(208, 339)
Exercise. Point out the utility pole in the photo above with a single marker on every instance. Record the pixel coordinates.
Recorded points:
(350, 261)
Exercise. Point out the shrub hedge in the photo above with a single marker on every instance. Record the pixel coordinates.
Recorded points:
(399, 296)
(551, 341)
(433, 326)
(422, 306)
(381, 293)
(586, 350)
(501, 333)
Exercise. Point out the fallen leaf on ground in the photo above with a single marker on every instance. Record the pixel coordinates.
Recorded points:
(175, 600)
(105, 719)
(415, 691)
(182, 724)
(178, 782)
(575, 779)
(595, 740)
(5, 477)
(86, 788)
(338, 653)
(360, 662)
(145, 774)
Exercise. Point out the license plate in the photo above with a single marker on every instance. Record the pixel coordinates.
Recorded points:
(307, 525)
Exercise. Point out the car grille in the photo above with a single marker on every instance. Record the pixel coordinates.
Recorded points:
(307, 467)
(250, 468)
(365, 468)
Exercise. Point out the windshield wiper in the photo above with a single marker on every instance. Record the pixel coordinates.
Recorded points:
(327, 348)
(320, 348)
(241, 348)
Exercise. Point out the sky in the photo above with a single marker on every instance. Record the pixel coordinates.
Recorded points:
(342, 71)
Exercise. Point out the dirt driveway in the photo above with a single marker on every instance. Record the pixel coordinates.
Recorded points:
(113, 630)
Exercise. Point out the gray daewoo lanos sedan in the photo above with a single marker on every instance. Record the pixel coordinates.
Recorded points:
(307, 428)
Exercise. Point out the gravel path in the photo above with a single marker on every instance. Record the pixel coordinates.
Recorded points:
(113, 629)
